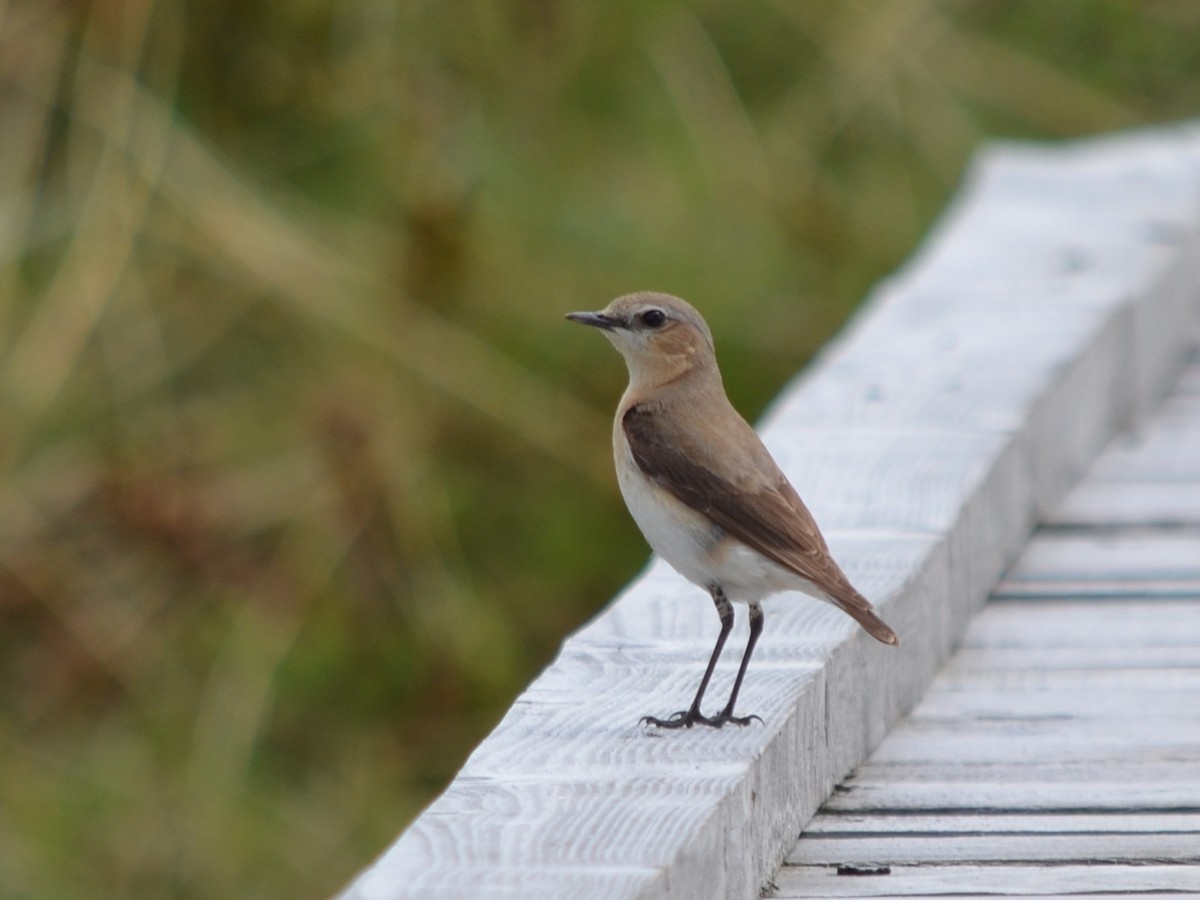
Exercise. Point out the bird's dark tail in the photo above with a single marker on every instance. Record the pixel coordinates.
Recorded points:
(859, 608)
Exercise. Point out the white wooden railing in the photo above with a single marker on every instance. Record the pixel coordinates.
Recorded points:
(1045, 313)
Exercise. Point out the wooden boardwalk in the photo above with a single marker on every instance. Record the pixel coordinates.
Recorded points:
(1049, 309)
(1059, 751)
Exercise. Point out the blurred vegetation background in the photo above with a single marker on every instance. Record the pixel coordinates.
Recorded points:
(302, 474)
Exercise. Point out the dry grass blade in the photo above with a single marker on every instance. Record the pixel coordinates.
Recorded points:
(723, 135)
(1007, 78)
(305, 273)
(299, 270)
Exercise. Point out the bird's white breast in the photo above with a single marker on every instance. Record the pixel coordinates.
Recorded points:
(694, 546)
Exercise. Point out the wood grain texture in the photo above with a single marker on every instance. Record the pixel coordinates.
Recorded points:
(1150, 477)
(816, 882)
(1021, 788)
(1076, 847)
(1047, 311)
(1103, 563)
(1064, 737)
(968, 823)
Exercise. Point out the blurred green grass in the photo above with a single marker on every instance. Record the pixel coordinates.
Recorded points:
(303, 476)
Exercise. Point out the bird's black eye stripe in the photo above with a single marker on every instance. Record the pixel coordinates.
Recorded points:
(652, 318)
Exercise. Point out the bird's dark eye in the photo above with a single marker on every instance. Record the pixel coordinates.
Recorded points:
(652, 318)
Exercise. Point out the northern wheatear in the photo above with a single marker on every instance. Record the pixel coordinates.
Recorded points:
(702, 487)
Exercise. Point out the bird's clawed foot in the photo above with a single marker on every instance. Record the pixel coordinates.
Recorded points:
(728, 717)
(686, 718)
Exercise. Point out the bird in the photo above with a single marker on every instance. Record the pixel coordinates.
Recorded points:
(703, 488)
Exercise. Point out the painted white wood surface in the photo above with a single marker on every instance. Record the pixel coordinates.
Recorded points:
(1045, 313)
(1073, 848)
(1059, 750)
(1076, 881)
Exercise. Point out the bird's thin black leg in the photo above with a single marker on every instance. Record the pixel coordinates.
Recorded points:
(726, 715)
(689, 717)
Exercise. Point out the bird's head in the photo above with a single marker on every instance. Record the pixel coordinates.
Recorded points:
(661, 337)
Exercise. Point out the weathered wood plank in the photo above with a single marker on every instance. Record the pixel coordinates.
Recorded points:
(1165, 448)
(1119, 563)
(1081, 708)
(971, 388)
(972, 682)
(972, 823)
(637, 827)
(1033, 739)
(1040, 896)
(1080, 658)
(814, 882)
(1150, 477)
(1149, 769)
(972, 392)
(514, 881)
(1001, 788)
(1085, 896)
(1176, 696)
(1064, 623)
(1046, 847)
(1146, 503)
(1060, 735)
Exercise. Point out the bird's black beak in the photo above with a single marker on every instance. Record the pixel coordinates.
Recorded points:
(596, 320)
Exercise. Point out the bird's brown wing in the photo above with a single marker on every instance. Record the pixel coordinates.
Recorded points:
(770, 518)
